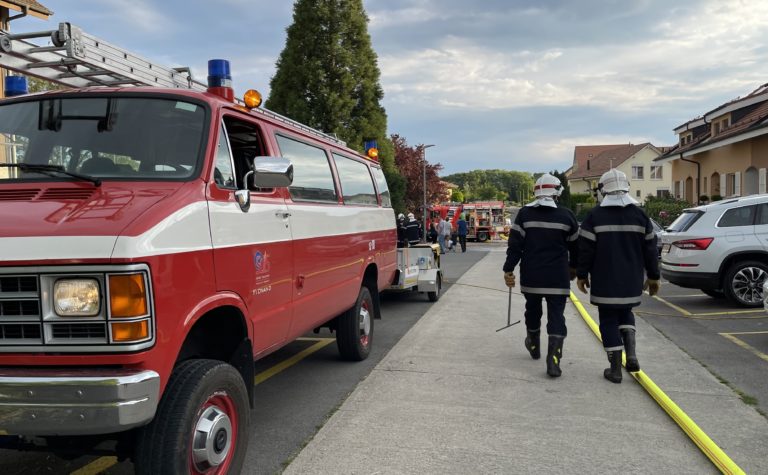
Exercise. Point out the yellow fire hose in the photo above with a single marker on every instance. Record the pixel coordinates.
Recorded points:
(702, 440)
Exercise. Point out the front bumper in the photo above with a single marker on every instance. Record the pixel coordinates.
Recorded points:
(76, 402)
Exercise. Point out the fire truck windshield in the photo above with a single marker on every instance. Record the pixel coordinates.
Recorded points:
(126, 138)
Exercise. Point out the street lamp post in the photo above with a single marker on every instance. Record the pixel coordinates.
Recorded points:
(424, 213)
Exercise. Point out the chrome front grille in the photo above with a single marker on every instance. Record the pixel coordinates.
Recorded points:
(20, 315)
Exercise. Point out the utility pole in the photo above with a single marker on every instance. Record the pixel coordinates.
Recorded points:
(424, 213)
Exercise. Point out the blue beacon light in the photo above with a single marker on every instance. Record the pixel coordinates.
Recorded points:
(220, 79)
(15, 86)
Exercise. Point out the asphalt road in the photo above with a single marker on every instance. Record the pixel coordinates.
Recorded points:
(298, 388)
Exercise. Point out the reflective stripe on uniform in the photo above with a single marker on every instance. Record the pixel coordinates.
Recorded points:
(619, 228)
(546, 225)
(574, 236)
(626, 327)
(615, 348)
(650, 236)
(614, 300)
(587, 234)
(516, 227)
(544, 291)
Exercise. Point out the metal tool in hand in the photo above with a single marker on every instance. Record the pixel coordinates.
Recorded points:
(509, 313)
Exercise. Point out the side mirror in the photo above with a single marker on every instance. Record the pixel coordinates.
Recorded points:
(272, 172)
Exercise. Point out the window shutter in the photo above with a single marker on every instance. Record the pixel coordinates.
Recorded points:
(761, 185)
(682, 189)
(723, 185)
(737, 185)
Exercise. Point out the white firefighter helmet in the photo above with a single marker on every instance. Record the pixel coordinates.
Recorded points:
(401, 216)
(613, 181)
(546, 190)
(613, 188)
(547, 185)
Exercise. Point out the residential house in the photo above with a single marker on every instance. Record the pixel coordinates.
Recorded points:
(723, 152)
(646, 177)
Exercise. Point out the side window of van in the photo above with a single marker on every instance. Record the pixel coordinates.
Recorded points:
(224, 173)
(245, 142)
(381, 182)
(312, 177)
(744, 216)
(356, 182)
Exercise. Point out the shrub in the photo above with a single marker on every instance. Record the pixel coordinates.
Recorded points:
(664, 210)
(716, 197)
(703, 199)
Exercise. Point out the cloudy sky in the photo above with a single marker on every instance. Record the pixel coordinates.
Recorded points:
(510, 84)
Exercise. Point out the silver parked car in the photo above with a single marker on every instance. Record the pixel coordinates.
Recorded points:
(721, 249)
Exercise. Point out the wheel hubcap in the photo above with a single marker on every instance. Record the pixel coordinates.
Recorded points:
(365, 324)
(747, 284)
(212, 441)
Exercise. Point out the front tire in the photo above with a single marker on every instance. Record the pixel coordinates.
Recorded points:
(435, 296)
(744, 283)
(201, 425)
(482, 236)
(354, 332)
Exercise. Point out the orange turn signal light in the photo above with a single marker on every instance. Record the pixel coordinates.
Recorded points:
(127, 296)
(252, 98)
(130, 331)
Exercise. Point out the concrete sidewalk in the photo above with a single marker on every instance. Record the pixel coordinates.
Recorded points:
(454, 396)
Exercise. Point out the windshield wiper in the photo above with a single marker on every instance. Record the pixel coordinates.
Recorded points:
(50, 170)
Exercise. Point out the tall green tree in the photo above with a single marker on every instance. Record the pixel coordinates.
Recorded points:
(327, 77)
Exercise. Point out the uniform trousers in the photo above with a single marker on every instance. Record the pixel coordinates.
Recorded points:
(612, 321)
(555, 317)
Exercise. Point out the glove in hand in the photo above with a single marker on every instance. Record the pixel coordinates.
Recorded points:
(509, 279)
(652, 286)
(583, 284)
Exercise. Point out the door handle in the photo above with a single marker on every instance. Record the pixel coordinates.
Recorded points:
(282, 214)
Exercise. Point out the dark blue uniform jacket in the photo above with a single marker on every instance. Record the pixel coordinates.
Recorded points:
(616, 247)
(542, 239)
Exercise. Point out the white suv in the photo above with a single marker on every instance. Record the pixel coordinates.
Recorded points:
(721, 249)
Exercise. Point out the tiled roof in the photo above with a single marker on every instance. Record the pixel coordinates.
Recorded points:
(756, 119)
(609, 158)
(32, 4)
(582, 153)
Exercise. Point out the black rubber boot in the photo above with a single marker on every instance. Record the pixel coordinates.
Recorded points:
(628, 335)
(613, 374)
(533, 345)
(554, 354)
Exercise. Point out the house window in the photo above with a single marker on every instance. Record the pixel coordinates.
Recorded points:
(637, 172)
(662, 194)
(587, 164)
(637, 192)
(656, 172)
(730, 184)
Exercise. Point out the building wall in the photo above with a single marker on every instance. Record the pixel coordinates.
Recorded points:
(744, 166)
(641, 188)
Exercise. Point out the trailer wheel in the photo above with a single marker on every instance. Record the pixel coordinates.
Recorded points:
(482, 236)
(201, 425)
(354, 332)
(435, 296)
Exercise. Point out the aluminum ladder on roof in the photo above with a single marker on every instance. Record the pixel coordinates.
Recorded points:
(77, 59)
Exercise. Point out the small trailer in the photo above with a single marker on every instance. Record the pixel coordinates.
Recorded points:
(418, 269)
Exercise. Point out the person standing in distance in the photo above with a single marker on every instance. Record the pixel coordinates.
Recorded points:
(412, 230)
(462, 230)
(401, 231)
(617, 245)
(543, 239)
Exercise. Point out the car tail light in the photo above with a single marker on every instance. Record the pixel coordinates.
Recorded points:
(696, 244)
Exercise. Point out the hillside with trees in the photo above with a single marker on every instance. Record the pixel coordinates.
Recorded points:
(505, 185)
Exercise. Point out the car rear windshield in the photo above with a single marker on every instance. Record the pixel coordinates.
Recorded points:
(106, 137)
(684, 221)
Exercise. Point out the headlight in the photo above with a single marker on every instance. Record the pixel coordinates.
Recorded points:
(76, 297)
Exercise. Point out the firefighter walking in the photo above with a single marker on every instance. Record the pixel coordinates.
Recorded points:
(543, 239)
(617, 245)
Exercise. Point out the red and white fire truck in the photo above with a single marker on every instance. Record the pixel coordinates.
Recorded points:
(485, 219)
(156, 240)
